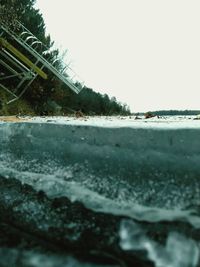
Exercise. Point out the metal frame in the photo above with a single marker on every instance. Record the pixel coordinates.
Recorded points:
(22, 70)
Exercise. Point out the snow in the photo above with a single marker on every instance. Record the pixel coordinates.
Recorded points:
(116, 121)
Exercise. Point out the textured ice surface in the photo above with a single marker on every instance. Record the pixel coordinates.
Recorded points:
(57, 185)
(17, 258)
(146, 170)
(179, 250)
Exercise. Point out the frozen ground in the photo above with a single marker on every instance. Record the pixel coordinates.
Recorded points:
(144, 170)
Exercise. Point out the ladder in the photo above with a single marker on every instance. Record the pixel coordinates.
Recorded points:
(23, 57)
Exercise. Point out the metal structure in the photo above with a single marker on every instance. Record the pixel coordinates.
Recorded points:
(23, 57)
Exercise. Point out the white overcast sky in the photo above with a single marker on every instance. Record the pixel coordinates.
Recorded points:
(144, 52)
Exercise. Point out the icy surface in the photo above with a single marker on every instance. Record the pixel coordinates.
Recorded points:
(179, 250)
(8, 257)
(146, 170)
(120, 121)
(104, 168)
(55, 186)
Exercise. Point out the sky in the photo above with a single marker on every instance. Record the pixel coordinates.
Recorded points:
(146, 53)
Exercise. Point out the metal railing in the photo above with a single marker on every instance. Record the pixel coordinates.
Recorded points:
(14, 60)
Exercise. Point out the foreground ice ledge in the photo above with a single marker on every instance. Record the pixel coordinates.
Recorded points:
(133, 152)
(118, 146)
(178, 136)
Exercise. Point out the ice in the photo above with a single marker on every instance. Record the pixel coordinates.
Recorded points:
(120, 121)
(183, 251)
(76, 183)
(145, 170)
(179, 250)
(18, 257)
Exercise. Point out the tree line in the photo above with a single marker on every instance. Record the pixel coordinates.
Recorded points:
(50, 96)
(172, 112)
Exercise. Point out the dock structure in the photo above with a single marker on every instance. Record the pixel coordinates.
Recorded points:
(23, 57)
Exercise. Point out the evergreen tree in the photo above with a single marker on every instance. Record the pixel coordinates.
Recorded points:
(42, 91)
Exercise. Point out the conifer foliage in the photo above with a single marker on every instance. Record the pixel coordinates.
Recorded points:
(42, 92)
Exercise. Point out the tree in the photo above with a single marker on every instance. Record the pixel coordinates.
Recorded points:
(8, 15)
(93, 103)
(41, 91)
